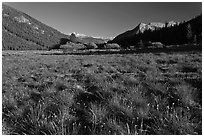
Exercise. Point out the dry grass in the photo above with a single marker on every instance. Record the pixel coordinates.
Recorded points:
(102, 94)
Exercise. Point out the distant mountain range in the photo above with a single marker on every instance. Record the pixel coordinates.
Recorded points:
(79, 35)
(87, 39)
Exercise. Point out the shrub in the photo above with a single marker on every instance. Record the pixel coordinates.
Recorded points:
(112, 46)
(91, 45)
(157, 44)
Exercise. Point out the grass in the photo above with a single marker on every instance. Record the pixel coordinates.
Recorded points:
(123, 94)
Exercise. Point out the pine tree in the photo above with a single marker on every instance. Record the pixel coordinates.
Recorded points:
(141, 45)
(195, 39)
(189, 33)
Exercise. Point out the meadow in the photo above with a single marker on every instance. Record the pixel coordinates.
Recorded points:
(124, 94)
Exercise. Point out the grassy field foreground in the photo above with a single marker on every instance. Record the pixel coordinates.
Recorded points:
(127, 94)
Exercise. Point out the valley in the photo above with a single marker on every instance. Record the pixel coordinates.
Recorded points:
(144, 81)
(125, 94)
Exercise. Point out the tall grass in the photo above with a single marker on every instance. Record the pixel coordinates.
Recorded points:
(107, 94)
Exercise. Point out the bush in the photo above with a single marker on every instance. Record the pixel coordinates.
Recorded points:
(72, 47)
(91, 45)
(66, 48)
(112, 46)
(157, 44)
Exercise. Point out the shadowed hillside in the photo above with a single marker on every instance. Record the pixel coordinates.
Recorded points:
(168, 34)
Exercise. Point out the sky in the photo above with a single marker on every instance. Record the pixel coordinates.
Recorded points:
(102, 19)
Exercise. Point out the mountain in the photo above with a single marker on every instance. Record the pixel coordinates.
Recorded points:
(85, 36)
(82, 38)
(90, 39)
(141, 28)
(170, 33)
(22, 32)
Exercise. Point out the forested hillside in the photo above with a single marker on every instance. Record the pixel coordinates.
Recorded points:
(185, 32)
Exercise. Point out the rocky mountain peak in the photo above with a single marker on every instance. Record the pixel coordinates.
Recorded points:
(78, 34)
(172, 23)
(142, 27)
(154, 25)
(157, 24)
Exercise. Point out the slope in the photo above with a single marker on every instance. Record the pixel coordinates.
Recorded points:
(168, 34)
(22, 32)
